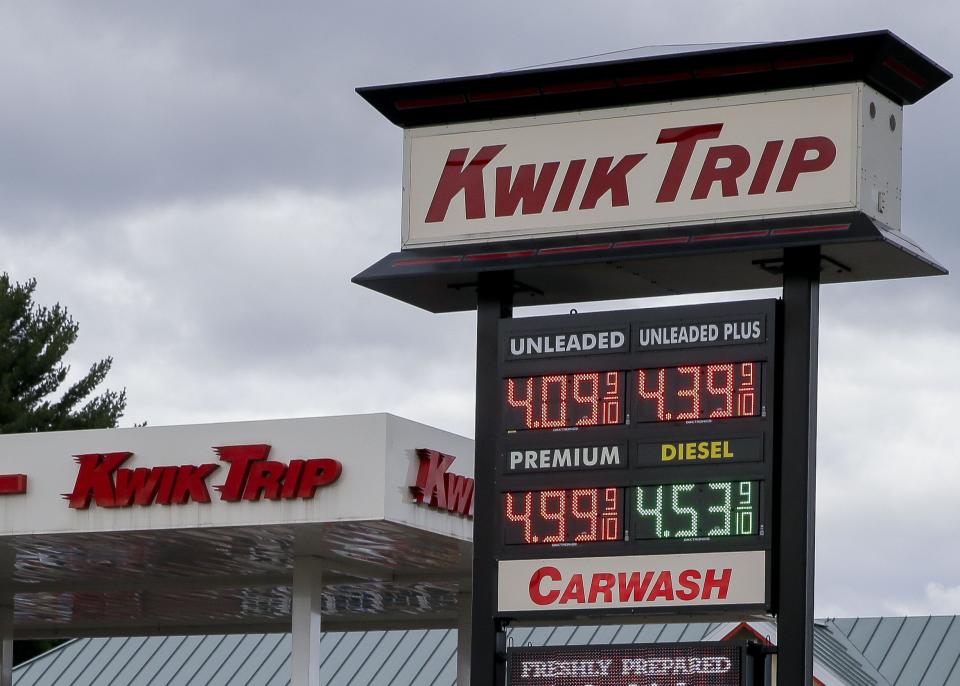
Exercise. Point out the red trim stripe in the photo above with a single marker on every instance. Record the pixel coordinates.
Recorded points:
(652, 241)
(905, 72)
(414, 261)
(733, 70)
(654, 78)
(13, 484)
(793, 231)
(763, 233)
(439, 101)
(580, 87)
(574, 248)
(499, 255)
(814, 61)
(486, 96)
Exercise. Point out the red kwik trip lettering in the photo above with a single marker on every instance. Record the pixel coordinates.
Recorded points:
(768, 158)
(738, 161)
(264, 481)
(685, 138)
(191, 483)
(437, 488)
(797, 162)
(251, 476)
(569, 186)
(168, 478)
(95, 480)
(319, 472)
(532, 194)
(460, 493)
(604, 180)
(720, 584)
(536, 582)
(240, 457)
(460, 175)
(137, 486)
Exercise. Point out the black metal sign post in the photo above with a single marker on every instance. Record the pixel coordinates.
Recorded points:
(494, 302)
(798, 465)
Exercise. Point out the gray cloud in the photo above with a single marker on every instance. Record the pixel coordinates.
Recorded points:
(198, 184)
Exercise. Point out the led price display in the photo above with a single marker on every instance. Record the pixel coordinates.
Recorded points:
(697, 664)
(579, 515)
(559, 401)
(701, 510)
(698, 391)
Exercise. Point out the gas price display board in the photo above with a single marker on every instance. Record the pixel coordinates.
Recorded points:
(635, 461)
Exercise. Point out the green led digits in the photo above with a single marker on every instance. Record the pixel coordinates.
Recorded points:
(696, 510)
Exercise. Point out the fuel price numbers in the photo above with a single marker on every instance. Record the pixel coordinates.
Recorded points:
(578, 515)
(560, 401)
(709, 510)
(698, 391)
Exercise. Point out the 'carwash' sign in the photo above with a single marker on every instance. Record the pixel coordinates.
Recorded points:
(693, 664)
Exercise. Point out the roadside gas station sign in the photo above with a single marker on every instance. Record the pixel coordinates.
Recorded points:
(636, 460)
(657, 462)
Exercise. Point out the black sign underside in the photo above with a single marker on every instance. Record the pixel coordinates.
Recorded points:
(637, 263)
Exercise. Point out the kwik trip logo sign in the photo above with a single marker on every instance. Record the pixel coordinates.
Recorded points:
(104, 479)
(632, 167)
(436, 487)
(698, 664)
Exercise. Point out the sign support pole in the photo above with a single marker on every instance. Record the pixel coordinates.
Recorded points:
(494, 302)
(798, 465)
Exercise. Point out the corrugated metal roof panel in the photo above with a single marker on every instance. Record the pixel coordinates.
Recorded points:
(944, 659)
(904, 644)
(921, 656)
(920, 651)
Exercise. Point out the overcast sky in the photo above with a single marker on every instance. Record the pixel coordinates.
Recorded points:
(197, 182)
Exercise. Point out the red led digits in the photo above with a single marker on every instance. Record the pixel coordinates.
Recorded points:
(526, 403)
(611, 398)
(560, 401)
(658, 393)
(695, 392)
(591, 399)
(560, 516)
(725, 390)
(583, 515)
(524, 518)
(611, 515)
(747, 394)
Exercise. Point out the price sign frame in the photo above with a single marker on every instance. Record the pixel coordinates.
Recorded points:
(662, 452)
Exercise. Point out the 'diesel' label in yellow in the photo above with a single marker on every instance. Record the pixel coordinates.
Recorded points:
(710, 450)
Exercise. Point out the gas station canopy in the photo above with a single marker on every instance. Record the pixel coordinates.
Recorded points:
(197, 529)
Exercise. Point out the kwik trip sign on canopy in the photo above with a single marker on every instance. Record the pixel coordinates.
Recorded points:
(790, 152)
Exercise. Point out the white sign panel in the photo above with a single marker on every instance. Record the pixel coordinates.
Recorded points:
(634, 581)
(288, 471)
(783, 153)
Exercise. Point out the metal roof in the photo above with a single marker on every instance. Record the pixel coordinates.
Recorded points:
(878, 58)
(912, 651)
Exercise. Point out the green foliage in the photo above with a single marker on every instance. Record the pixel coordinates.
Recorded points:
(33, 342)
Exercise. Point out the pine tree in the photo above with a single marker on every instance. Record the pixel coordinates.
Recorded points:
(33, 342)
